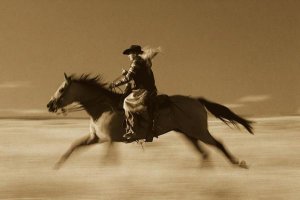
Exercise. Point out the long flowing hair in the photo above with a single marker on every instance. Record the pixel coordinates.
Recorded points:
(150, 52)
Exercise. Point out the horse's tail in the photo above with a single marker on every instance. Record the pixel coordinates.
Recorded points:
(225, 114)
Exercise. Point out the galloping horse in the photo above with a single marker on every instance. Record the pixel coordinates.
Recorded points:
(183, 114)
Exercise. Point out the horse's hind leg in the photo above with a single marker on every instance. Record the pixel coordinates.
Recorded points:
(198, 147)
(209, 139)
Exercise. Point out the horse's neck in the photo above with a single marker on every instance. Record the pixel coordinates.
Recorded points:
(100, 103)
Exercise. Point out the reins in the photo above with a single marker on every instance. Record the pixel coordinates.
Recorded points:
(80, 106)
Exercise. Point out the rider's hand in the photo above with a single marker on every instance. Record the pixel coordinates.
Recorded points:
(111, 85)
(124, 72)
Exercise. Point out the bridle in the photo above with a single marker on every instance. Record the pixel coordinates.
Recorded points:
(76, 106)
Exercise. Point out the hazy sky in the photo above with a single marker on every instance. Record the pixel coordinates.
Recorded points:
(244, 54)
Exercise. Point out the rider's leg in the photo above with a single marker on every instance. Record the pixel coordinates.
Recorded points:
(150, 133)
(130, 123)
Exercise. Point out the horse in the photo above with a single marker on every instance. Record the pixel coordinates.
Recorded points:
(183, 114)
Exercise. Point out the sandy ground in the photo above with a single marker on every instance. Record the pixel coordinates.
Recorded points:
(169, 168)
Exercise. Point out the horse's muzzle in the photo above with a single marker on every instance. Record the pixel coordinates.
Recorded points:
(52, 107)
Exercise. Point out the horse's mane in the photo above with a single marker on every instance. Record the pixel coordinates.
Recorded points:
(94, 81)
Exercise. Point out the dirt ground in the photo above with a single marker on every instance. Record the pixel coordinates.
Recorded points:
(168, 168)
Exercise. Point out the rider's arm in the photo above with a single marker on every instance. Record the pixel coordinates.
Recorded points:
(127, 77)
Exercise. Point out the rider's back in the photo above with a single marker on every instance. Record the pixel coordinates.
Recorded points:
(143, 75)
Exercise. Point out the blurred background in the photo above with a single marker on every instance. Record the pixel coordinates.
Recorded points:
(166, 169)
(243, 54)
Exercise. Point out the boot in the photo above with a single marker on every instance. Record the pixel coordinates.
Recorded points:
(151, 133)
(149, 138)
(129, 131)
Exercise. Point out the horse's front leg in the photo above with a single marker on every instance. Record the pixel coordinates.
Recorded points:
(88, 139)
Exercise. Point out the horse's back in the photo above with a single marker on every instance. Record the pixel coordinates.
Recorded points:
(190, 107)
(185, 114)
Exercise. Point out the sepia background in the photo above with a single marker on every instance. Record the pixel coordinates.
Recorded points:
(242, 54)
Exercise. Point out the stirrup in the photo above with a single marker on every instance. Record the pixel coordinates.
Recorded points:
(129, 135)
(149, 139)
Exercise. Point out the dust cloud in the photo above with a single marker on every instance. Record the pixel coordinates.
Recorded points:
(168, 168)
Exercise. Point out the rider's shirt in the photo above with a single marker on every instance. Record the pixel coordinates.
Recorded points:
(141, 73)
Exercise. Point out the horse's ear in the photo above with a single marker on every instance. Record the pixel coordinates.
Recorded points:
(68, 79)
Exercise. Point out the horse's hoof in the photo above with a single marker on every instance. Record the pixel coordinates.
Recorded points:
(207, 162)
(205, 156)
(57, 166)
(243, 164)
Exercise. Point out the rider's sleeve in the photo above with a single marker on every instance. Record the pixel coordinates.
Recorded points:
(129, 76)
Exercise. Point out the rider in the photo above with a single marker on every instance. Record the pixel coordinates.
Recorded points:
(143, 90)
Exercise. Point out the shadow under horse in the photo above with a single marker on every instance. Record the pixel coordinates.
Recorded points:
(186, 115)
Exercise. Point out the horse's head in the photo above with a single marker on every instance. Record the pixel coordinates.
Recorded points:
(87, 92)
(62, 97)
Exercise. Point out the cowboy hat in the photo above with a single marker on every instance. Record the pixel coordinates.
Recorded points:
(133, 49)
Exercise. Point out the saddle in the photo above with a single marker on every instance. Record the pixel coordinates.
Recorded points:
(160, 102)
(140, 119)
(155, 102)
